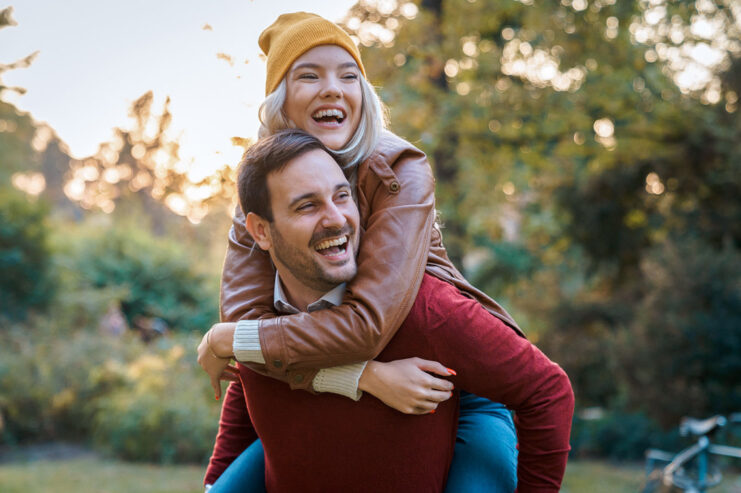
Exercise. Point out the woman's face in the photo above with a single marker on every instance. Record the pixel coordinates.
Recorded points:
(323, 95)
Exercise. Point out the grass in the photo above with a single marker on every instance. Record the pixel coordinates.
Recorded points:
(93, 475)
(596, 476)
(586, 476)
(90, 475)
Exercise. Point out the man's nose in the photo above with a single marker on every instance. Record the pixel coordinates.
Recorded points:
(333, 217)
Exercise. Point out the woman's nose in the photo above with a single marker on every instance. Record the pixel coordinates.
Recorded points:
(331, 88)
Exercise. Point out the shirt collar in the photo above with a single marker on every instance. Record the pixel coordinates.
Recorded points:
(329, 299)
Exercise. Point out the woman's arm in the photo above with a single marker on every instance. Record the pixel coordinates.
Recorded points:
(396, 202)
(406, 385)
(247, 278)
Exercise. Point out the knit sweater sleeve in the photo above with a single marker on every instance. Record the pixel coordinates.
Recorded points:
(235, 433)
(502, 366)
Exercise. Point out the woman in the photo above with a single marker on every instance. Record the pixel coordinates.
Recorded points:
(316, 82)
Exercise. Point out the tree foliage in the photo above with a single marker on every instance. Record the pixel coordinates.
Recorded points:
(140, 172)
(571, 149)
(25, 256)
(156, 277)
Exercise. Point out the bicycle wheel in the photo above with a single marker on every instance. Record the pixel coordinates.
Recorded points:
(688, 480)
(653, 482)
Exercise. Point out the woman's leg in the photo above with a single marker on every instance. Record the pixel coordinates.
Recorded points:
(485, 456)
(245, 474)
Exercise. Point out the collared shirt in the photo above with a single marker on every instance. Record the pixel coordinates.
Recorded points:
(329, 299)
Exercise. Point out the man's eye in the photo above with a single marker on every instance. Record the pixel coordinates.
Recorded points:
(305, 207)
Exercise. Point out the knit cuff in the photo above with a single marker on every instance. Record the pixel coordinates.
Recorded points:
(342, 380)
(246, 345)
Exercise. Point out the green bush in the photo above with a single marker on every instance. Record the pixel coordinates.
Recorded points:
(619, 435)
(155, 277)
(682, 352)
(162, 412)
(25, 282)
(50, 378)
(131, 400)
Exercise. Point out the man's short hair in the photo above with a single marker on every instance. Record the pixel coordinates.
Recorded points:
(270, 155)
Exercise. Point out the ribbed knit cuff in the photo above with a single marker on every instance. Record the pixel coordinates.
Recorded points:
(246, 345)
(342, 380)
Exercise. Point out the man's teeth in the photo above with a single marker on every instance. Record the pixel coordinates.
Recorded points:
(331, 243)
(328, 113)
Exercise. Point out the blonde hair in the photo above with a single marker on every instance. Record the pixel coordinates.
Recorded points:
(373, 120)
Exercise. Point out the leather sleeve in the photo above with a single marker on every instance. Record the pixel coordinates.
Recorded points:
(248, 277)
(235, 434)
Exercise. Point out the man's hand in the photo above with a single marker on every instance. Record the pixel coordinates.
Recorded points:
(406, 384)
(216, 364)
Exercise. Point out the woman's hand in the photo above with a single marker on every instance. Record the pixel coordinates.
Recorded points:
(216, 364)
(406, 384)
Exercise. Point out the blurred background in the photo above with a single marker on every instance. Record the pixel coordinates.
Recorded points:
(588, 164)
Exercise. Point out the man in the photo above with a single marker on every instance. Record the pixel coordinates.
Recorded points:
(308, 223)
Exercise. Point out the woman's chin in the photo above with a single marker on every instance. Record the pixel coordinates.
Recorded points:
(333, 142)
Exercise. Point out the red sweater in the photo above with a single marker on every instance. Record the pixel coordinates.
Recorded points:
(330, 443)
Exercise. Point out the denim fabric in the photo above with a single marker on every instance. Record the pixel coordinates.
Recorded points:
(485, 456)
(245, 475)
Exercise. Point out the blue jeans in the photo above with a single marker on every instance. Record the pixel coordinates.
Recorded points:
(245, 475)
(485, 454)
(484, 459)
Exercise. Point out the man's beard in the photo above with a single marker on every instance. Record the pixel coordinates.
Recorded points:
(305, 267)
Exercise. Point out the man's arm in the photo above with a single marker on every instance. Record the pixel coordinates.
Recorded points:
(235, 434)
(494, 362)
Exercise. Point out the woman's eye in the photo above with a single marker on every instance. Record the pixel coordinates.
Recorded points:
(307, 76)
(350, 76)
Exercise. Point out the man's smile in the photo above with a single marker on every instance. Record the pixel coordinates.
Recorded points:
(333, 247)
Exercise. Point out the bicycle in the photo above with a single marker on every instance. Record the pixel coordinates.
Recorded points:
(694, 468)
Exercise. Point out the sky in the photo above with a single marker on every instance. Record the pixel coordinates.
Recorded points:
(98, 56)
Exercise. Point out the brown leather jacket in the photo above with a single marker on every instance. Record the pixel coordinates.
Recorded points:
(395, 195)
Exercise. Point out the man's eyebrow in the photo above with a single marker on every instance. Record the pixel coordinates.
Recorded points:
(317, 66)
(309, 195)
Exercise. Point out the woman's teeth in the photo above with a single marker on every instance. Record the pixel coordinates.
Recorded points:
(335, 114)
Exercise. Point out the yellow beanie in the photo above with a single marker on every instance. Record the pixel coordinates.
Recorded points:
(292, 35)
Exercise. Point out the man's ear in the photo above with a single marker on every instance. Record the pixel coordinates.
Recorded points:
(259, 229)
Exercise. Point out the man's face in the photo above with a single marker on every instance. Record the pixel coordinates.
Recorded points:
(314, 234)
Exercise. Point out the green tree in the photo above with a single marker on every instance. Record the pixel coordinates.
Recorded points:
(566, 153)
(139, 172)
(25, 257)
(155, 277)
(25, 260)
